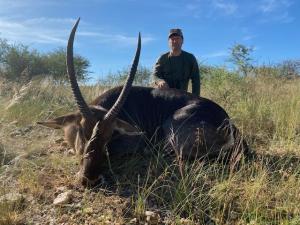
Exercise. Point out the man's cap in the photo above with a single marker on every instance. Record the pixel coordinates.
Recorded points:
(176, 32)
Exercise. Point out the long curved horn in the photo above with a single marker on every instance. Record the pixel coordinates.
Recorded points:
(115, 109)
(81, 104)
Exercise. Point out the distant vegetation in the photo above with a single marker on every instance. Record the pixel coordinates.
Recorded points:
(19, 63)
(142, 77)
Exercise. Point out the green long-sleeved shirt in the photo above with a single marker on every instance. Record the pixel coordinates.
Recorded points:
(177, 70)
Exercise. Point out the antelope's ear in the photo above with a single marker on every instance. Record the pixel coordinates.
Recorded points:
(124, 127)
(62, 121)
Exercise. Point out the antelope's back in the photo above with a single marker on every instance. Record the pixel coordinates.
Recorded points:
(148, 108)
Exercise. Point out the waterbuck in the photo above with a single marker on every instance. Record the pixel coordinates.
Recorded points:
(119, 120)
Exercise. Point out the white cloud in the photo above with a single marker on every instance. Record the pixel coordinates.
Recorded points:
(210, 9)
(226, 8)
(248, 37)
(44, 20)
(275, 11)
(8, 7)
(192, 6)
(119, 39)
(268, 6)
(55, 31)
(221, 53)
(38, 30)
(284, 18)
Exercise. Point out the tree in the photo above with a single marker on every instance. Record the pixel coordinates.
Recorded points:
(19, 63)
(18, 58)
(240, 55)
(142, 77)
(290, 68)
(4, 46)
(56, 65)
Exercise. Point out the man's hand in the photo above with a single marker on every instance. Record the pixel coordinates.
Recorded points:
(162, 84)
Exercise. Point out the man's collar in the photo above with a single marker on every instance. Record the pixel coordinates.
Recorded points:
(170, 54)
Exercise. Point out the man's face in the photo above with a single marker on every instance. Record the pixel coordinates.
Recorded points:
(175, 42)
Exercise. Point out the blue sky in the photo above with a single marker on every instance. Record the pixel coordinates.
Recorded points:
(108, 30)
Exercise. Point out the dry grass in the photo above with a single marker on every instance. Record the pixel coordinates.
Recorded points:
(264, 191)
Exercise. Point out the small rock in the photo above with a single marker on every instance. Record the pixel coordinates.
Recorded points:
(149, 213)
(133, 221)
(152, 217)
(63, 198)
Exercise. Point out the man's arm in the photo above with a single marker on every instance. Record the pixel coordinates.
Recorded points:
(158, 75)
(195, 77)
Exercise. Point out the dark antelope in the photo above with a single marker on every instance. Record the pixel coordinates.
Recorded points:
(120, 119)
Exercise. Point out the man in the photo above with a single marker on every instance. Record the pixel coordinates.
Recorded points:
(175, 68)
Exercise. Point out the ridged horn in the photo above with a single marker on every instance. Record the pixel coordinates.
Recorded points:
(81, 104)
(115, 109)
